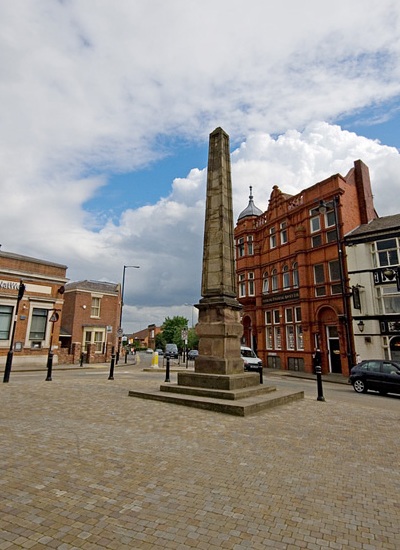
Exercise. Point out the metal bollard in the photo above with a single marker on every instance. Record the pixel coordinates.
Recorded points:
(260, 370)
(318, 372)
(167, 371)
(111, 376)
(49, 366)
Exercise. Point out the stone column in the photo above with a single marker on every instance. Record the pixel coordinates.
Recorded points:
(219, 328)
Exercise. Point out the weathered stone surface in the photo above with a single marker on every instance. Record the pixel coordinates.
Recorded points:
(234, 382)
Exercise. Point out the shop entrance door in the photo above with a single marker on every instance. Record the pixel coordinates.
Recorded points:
(335, 363)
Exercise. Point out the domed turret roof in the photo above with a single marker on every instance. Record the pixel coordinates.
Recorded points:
(251, 209)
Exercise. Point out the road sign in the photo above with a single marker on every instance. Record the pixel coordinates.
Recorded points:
(54, 318)
(120, 332)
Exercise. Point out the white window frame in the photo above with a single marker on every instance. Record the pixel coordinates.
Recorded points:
(94, 332)
(240, 247)
(242, 285)
(95, 307)
(265, 283)
(283, 233)
(274, 281)
(251, 284)
(295, 275)
(5, 342)
(272, 237)
(290, 338)
(285, 277)
(250, 245)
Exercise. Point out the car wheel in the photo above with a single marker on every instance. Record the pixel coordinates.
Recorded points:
(382, 392)
(359, 386)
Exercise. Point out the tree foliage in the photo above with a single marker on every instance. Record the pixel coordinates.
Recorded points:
(172, 333)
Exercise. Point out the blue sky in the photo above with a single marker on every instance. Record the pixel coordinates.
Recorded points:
(156, 179)
(105, 116)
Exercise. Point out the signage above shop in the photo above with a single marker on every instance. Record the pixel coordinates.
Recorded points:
(283, 297)
(9, 285)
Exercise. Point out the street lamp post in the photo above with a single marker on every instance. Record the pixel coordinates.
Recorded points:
(122, 305)
(323, 206)
(10, 354)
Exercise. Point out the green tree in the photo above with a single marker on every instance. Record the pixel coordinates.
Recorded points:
(172, 330)
(172, 333)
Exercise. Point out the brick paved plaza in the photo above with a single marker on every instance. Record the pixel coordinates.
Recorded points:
(85, 466)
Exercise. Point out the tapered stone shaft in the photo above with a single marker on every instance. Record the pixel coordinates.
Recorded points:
(219, 328)
(218, 254)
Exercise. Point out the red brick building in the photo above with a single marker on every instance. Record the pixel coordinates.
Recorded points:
(145, 338)
(292, 274)
(43, 296)
(90, 319)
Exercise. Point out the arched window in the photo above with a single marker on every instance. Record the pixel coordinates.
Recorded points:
(295, 273)
(274, 281)
(265, 283)
(285, 277)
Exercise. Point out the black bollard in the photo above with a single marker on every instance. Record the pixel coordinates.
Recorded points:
(167, 371)
(49, 365)
(126, 357)
(7, 370)
(318, 372)
(260, 370)
(111, 376)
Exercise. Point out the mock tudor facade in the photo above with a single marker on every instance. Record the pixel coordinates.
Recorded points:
(37, 324)
(292, 275)
(373, 257)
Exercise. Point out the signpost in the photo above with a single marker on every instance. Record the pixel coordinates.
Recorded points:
(53, 319)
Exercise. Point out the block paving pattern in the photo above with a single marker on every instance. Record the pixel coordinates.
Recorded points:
(85, 466)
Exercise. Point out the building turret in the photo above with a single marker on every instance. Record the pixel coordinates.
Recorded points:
(251, 209)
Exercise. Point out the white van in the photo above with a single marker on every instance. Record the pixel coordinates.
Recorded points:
(250, 359)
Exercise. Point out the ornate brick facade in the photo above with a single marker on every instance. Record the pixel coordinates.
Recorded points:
(292, 274)
(33, 327)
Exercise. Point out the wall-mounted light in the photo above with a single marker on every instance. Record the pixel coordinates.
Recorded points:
(393, 274)
(83, 307)
(361, 326)
(389, 274)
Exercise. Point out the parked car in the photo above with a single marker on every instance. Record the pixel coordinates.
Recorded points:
(159, 351)
(376, 374)
(171, 350)
(149, 350)
(193, 353)
(250, 359)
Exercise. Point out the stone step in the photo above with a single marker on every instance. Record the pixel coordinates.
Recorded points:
(240, 407)
(239, 393)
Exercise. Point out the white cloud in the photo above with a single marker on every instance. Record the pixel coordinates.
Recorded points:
(85, 91)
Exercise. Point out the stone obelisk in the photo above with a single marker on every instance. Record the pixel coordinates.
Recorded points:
(219, 328)
(218, 381)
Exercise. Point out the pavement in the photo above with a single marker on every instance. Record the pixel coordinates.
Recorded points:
(83, 465)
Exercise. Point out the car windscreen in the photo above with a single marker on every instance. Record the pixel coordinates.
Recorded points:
(247, 353)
